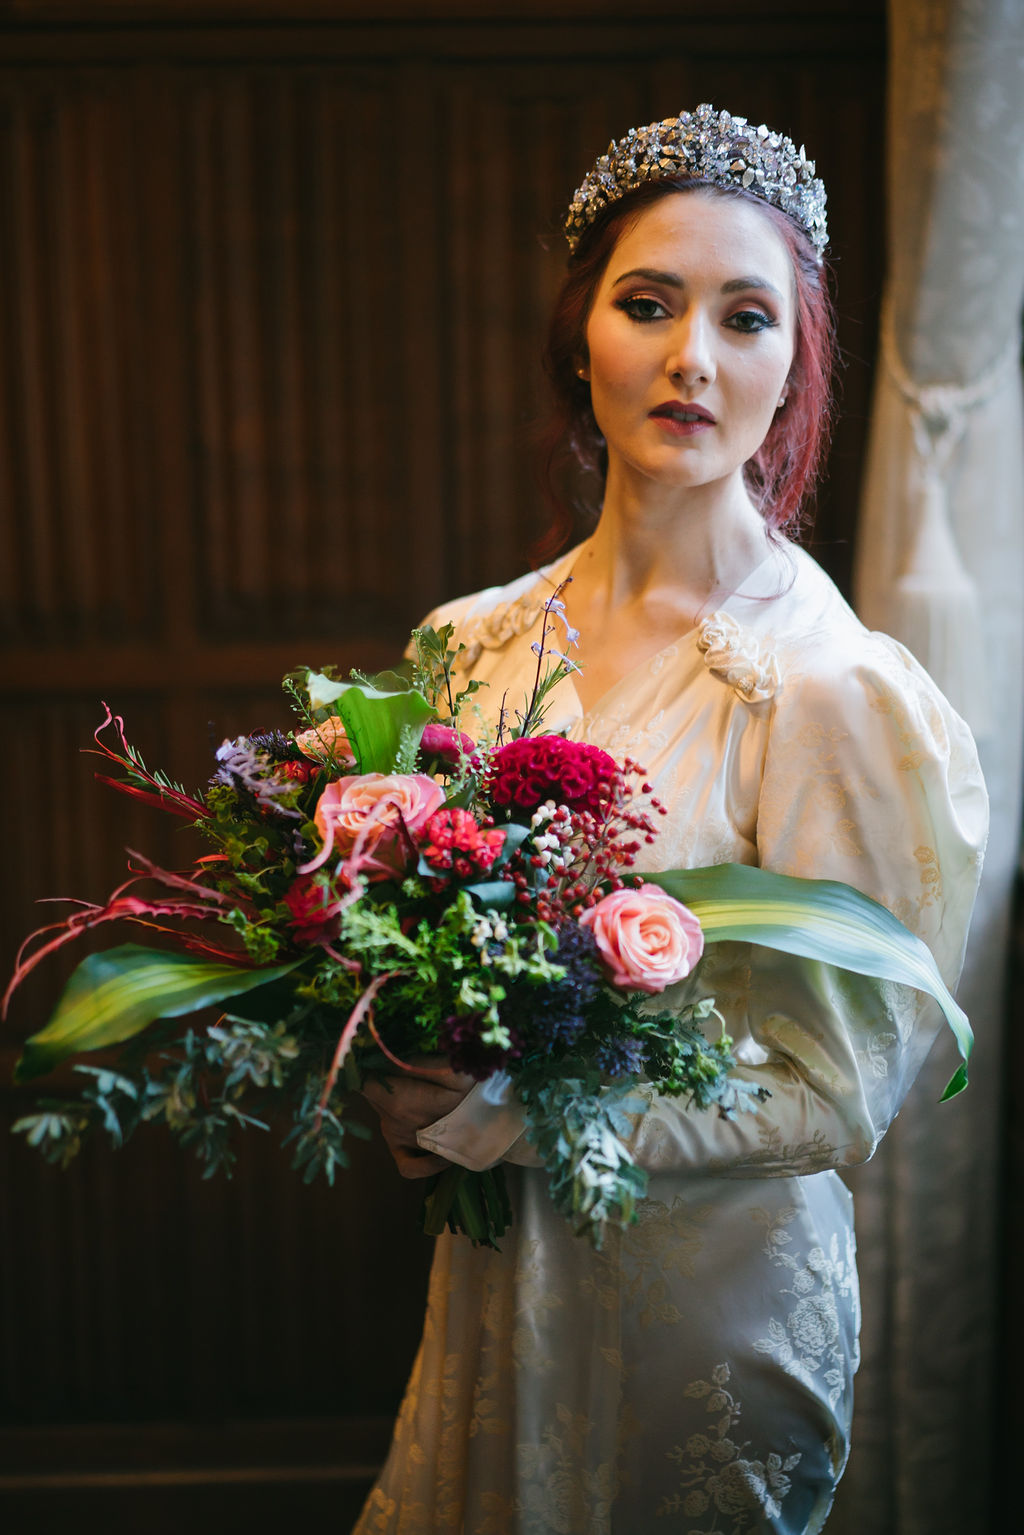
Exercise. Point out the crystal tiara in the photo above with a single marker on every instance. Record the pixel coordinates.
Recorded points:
(710, 146)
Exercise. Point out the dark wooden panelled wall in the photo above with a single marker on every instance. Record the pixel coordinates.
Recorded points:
(273, 280)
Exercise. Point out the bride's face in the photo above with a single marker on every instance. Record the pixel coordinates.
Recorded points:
(690, 339)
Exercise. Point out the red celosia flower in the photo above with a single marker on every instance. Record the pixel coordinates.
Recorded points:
(525, 773)
(453, 840)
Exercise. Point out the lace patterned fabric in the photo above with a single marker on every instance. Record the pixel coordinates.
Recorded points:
(698, 1374)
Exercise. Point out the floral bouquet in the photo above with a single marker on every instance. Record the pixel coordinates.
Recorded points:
(382, 888)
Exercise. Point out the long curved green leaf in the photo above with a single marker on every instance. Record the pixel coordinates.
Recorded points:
(115, 995)
(817, 919)
(375, 722)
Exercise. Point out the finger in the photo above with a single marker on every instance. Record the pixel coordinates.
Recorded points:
(411, 1101)
(411, 1159)
(419, 1164)
(378, 1094)
(451, 1081)
(435, 1068)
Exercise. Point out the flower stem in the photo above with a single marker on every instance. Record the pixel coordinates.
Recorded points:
(476, 1204)
(440, 1199)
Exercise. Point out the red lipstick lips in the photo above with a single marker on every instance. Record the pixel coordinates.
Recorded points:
(680, 419)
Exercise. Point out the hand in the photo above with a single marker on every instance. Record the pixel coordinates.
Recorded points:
(407, 1102)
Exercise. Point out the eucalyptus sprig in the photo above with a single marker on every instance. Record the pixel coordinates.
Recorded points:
(580, 1129)
(581, 1125)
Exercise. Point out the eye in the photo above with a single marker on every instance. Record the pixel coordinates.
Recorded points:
(642, 307)
(750, 321)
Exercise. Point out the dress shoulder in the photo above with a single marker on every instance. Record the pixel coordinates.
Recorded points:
(837, 673)
(489, 618)
(870, 776)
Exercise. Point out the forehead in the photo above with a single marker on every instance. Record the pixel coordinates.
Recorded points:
(700, 235)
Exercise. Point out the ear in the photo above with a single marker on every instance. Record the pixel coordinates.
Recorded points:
(787, 387)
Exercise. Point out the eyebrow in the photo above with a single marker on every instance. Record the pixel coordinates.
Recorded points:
(671, 280)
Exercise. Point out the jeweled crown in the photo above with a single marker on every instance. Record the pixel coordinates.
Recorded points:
(711, 146)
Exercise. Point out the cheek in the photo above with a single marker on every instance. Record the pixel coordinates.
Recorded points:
(615, 384)
(613, 357)
(765, 384)
(618, 380)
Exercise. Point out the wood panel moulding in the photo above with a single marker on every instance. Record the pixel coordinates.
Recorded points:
(153, 31)
(165, 1477)
(292, 12)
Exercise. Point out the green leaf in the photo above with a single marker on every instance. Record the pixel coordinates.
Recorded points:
(115, 995)
(492, 894)
(386, 682)
(515, 836)
(816, 919)
(375, 721)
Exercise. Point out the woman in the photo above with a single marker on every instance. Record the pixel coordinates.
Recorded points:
(699, 1370)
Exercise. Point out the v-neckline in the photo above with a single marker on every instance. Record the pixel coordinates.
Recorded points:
(564, 567)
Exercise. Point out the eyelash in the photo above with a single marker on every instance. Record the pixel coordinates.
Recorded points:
(766, 321)
(627, 305)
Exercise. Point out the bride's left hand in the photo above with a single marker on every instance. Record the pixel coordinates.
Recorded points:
(407, 1103)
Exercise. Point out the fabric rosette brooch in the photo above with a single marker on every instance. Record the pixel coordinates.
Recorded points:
(378, 885)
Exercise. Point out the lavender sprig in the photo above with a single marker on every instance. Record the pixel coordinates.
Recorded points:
(546, 679)
(243, 766)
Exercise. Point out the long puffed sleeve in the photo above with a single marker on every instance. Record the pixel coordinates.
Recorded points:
(867, 777)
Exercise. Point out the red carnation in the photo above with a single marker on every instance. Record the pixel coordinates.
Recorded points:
(453, 840)
(525, 773)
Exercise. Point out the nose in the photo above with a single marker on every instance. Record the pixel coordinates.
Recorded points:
(690, 357)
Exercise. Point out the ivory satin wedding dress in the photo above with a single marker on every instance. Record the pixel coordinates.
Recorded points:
(697, 1375)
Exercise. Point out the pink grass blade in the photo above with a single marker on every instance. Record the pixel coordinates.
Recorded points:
(348, 1033)
(416, 1071)
(163, 796)
(146, 867)
(166, 799)
(200, 904)
(124, 909)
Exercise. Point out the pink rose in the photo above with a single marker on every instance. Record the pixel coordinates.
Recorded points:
(648, 940)
(365, 814)
(327, 742)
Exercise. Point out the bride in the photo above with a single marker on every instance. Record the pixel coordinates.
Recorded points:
(697, 1375)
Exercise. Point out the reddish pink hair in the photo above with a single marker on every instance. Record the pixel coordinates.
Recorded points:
(783, 471)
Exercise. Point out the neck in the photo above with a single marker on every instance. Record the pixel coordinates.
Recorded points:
(702, 541)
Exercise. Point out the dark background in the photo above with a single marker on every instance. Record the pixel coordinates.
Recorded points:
(273, 285)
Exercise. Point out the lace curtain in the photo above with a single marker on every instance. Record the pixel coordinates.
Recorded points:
(940, 565)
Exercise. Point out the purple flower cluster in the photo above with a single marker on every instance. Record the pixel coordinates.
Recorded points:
(621, 1056)
(556, 1014)
(273, 744)
(536, 1017)
(245, 767)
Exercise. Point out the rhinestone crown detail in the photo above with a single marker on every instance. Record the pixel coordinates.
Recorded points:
(711, 146)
